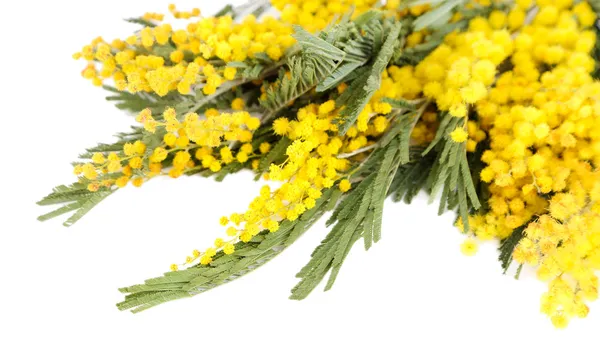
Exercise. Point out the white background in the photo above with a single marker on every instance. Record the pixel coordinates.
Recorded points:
(59, 285)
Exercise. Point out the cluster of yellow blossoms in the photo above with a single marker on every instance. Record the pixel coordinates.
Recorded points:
(195, 12)
(152, 16)
(457, 75)
(159, 17)
(314, 15)
(204, 137)
(459, 72)
(316, 159)
(115, 169)
(162, 59)
(543, 121)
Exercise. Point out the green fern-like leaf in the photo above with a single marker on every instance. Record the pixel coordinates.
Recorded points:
(450, 174)
(438, 16)
(317, 61)
(136, 102)
(507, 247)
(76, 198)
(360, 91)
(358, 215)
(140, 21)
(225, 268)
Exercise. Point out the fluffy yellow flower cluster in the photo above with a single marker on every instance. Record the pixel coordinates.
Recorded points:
(316, 160)
(195, 12)
(208, 139)
(456, 75)
(118, 169)
(159, 17)
(425, 129)
(162, 59)
(314, 15)
(543, 121)
(459, 72)
(206, 134)
(152, 16)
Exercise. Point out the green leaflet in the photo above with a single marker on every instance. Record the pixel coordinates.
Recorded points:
(345, 207)
(77, 198)
(438, 16)
(337, 76)
(313, 45)
(447, 125)
(123, 138)
(412, 3)
(399, 103)
(140, 21)
(403, 126)
(226, 10)
(450, 174)
(391, 161)
(358, 215)
(358, 94)
(225, 171)
(367, 17)
(252, 72)
(357, 48)
(414, 55)
(595, 5)
(136, 102)
(224, 268)
(407, 124)
(276, 154)
(237, 64)
(596, 51)
(411, 177)
(62, 194)
(317, 61)
(508, 246)
(306, 72)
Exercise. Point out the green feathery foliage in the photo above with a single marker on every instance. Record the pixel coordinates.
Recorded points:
(507, 247)
(136, 102)
(224, 268)
(141, 21)
(318, 60)
(276, 155)
(595, 5)
(411, 178)
(137, 133)
(358, 215)
(76, 198)
(439, 16)
(357, 47)
(400, 103)
(402, 125)
(360, 91)
(450, 173)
